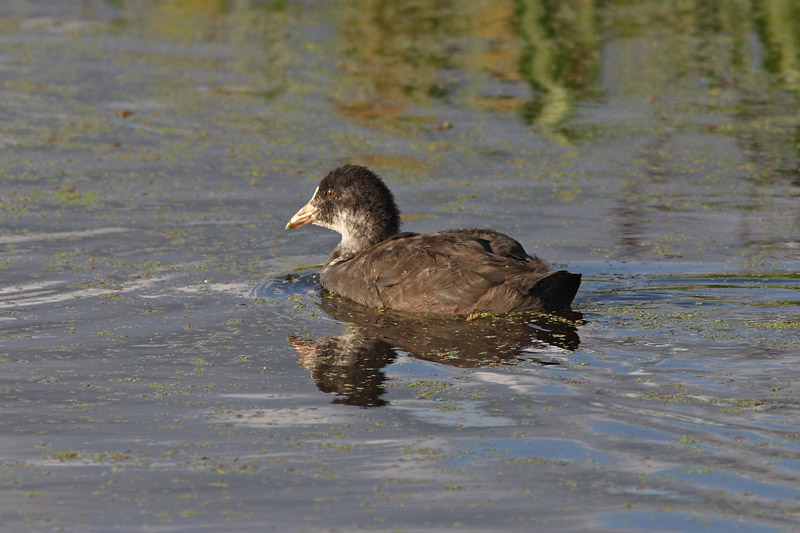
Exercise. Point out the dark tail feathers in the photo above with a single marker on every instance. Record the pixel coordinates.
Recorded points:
(557, 290)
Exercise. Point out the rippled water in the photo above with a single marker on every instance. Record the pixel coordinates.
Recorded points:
(170, 362)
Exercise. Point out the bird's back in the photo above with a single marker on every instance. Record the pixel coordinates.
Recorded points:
(454, 272)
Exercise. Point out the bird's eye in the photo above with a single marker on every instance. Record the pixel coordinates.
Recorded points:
(329, 193)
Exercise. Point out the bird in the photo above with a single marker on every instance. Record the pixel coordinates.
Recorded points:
(450, 273)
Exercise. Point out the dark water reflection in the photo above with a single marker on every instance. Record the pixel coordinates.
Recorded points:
(351, 365)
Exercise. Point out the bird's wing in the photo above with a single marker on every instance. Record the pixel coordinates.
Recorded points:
(443, 273)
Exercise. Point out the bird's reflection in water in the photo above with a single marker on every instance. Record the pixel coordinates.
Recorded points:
(351, 365)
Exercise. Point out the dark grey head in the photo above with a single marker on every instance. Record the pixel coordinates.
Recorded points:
(353, 201)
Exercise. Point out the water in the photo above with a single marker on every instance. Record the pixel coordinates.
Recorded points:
(170, 363)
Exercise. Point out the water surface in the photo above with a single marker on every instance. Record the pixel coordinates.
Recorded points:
(169, 361)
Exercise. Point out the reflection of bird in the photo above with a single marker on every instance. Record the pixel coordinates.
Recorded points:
(351, 365)
(484, 341)
(453, 272)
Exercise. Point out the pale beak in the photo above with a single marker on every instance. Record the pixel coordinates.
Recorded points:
(308, 214)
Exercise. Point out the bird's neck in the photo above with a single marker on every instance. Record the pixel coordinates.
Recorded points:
(359, 234)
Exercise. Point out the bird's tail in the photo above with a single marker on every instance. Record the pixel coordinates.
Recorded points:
(557, 290)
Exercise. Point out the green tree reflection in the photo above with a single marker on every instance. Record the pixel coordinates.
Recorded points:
(560, 60)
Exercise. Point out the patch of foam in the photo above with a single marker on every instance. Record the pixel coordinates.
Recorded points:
(466, 414)
(14, 297)
(28, 237)
(285, 416)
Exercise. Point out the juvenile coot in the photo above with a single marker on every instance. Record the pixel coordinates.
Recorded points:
(448, 273)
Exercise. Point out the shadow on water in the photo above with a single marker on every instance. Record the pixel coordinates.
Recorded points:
(351, 365)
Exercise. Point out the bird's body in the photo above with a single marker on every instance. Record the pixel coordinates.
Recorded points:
(447, 273)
